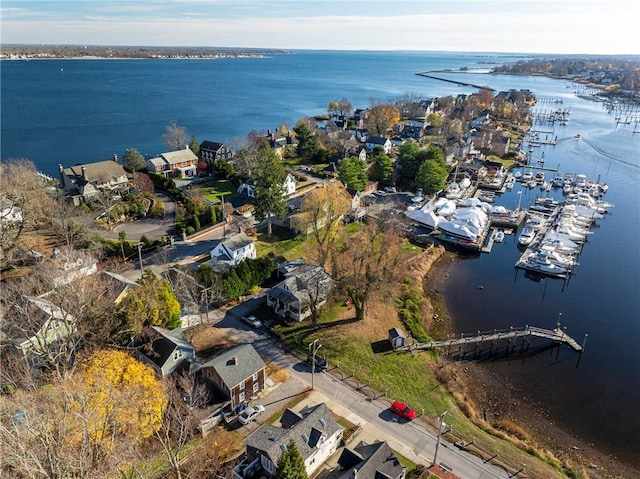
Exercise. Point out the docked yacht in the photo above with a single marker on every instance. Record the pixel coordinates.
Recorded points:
(526, 236)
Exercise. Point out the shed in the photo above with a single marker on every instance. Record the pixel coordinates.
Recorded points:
(397, 338)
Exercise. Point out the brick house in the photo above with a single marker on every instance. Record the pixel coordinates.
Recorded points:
(239, 373)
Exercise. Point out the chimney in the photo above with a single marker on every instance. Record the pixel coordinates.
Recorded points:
(84, 173)
(235, 360)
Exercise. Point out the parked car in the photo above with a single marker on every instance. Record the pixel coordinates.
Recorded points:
(403, 410)
(250, 414)
(252, 321)
(390, 189)
(320, 362)
(381, 193)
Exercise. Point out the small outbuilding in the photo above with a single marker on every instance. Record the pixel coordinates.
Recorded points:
(397, 338)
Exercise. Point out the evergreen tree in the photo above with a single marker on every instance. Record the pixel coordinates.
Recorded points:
(291, 464)
(270, 175)
(432, 176)
(382, 168)
(194, 145)
(352, 173)
(133, 160)
(408, 162)
(307, 144)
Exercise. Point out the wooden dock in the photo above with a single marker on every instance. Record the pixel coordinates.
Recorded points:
(556, 335)
(479, 87)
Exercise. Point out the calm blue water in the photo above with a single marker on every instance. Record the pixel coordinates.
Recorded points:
(72, 111)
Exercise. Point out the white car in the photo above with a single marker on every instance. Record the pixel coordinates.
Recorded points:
(252, 321)
(390, 189)
(250, 414)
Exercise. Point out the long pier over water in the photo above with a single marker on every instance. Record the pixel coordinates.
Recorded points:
(428, 75)
(556, 335)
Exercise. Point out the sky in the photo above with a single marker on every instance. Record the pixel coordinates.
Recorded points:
(534, 26)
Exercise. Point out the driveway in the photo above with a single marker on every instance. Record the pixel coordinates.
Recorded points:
(152, 228)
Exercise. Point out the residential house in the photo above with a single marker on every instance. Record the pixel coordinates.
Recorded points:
(368, 461)
(304, 288)
(373, 142)
(239, 373)
(41, 325)
(492, 140)
(178, 163)
(362, 134)
(167, 351)
(116, 287)
(279, 143)
(288, 187)
(314, 431)
(211, 151)
(482, 120)
(231, 251)
(87, 181)
(362, 155)
(9, 213)
(67, 265)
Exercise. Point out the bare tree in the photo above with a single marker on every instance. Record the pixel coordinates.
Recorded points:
(367, 263)
(175, 137)
(322, 211)
(180, 419)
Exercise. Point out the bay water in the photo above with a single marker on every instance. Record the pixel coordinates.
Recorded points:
(73, 111)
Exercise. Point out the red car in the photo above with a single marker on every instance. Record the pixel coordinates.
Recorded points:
(403, 410)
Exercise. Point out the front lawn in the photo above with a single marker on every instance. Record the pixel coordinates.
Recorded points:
(283, 242)
(214, 190)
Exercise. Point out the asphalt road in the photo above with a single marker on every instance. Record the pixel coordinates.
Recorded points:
(415, 439)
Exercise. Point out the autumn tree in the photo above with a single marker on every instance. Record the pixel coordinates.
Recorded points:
(89, 425)
(175, 137)
(353, 173)
(269, 191)
(133, 160)
(322, 212)
(340, 108)
(154, 303)
(291, 465)
(382, 117)
(143, 183)
(367, 262)
(26, 193)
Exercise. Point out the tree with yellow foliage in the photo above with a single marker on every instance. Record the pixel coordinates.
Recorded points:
(90, 425)
(321, 217)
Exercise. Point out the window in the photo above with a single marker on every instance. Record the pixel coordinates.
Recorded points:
(255, 387)
(177, 354)
(242, 385)
(255, 377)
(241, 397)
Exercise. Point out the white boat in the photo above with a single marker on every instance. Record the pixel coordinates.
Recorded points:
(499, 236)
(540, 262)
(535, 222)
(532, 184)
(517, 175)
(558, 180)
(527, 176)
(566, 189)
(526, 236)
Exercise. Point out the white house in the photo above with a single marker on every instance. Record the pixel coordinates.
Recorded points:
(288, 187)
(379, 142)
(314, 431)
(232, 251)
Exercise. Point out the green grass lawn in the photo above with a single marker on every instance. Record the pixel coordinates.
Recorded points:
(283, 242)
(214, 191)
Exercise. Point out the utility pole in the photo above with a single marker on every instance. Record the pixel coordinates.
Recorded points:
(224, 219)
(440, 428)
(313, 348)
(140, 258)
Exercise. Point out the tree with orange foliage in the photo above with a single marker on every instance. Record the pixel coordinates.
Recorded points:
(382, 117)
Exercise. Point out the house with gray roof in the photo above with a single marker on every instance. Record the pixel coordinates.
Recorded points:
(368, 461)
(168, 351)
(88, 180)
(239, 373)
(232, 251)
(305, 287)
(314, 431)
